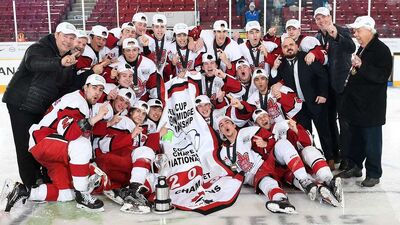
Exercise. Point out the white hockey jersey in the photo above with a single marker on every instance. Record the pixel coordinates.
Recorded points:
(247, 52)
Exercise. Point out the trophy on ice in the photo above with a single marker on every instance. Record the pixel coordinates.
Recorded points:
(162, 203)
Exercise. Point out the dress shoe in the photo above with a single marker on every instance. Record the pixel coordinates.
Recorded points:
(350, 172)
(370, 182)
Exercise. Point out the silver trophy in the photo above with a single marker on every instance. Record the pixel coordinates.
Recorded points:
(162, 203)
(161, 162)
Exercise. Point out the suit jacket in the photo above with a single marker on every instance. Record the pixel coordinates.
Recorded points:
(365, 95)
(339, 52)
(313, 80)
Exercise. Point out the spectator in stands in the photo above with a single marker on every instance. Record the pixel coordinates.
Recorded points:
(365, 102)
(39, 81)
(21, 37)
(252, 14)
(338, 45)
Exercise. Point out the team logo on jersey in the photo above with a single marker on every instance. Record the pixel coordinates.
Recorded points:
(140, 88)
(273, 109)
(244, 162)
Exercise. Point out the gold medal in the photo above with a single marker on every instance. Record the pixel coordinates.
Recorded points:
(136, 89)
(353, 71)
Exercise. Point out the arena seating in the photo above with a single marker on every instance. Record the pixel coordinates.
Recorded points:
(32, 14)
(32, 17)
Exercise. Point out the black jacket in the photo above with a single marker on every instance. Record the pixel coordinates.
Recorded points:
(365, 94)
(339, 52)
(313, 80)
(40, 78)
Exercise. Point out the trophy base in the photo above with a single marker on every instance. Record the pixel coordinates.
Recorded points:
(170, 210)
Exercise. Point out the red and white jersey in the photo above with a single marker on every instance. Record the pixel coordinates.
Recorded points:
(278, 109)
(90, 58)
(151, 125)
(159, 52)
(147, 81)
(119, 137)
(230, 47)
(62, 119)
(210, 86)
(302, 139)
(244, 153)
(240, 117)
(192, 60)
(247, 51)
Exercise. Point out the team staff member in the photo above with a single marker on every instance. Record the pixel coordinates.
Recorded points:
(40, 80)
(365, 102)
(339, 46)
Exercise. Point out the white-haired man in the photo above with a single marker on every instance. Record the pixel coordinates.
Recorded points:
(365, 102)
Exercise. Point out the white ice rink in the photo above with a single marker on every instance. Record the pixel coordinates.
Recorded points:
(379, 205)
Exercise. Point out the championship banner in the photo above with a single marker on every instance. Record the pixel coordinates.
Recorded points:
(197, 181)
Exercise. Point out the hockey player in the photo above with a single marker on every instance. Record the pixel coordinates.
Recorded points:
(154, 115)
(257, 52)
(307, 44)
(279, 104)
(147, 83)
(224, 49)
(158, 43)
(329, 188)
(117, 155)
(116, 36)
(96, 55)
(214, 80)
(61, 143)
(243, 74)
(179, 57)
(250, 151)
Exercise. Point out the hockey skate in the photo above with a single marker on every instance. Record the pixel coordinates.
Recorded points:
(310, 188)
(327, 196)
(336, 187)
(281, 206)
(135, 202)
(19, 192)
(88, 202)
(115, 196)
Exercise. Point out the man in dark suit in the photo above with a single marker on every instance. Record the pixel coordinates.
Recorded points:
(339, 46)
(311, 85)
